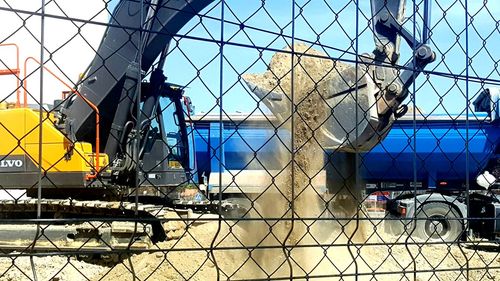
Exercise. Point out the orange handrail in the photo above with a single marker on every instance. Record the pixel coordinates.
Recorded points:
(88, 102)
(15, 72)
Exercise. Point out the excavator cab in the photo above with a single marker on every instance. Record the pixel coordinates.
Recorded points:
(165, 160)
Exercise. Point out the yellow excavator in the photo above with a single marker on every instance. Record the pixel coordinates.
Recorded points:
(110, 139)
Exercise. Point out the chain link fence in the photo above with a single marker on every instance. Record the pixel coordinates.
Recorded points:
(249, 140)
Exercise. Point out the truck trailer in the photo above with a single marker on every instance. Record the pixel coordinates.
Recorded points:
(434, 166)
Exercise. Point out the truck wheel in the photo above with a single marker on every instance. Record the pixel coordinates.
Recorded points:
(438, 222)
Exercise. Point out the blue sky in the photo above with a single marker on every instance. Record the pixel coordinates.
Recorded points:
(336, 23)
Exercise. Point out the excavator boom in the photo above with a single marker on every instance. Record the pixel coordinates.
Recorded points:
(136, 36)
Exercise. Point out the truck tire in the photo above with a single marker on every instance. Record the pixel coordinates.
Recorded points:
(438, 222)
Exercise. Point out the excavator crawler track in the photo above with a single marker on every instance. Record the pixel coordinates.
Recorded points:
(86, 226)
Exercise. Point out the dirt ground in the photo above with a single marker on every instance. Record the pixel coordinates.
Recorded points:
(384, 262)
(190, 258)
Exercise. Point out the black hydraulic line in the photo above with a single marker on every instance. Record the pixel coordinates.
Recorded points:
(151, 101)
(163, 57)
(427, 22)
(152, 10)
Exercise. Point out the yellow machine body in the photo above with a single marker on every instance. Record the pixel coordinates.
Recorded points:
(63, 163)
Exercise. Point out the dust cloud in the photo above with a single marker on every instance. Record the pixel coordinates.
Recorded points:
(298, 196)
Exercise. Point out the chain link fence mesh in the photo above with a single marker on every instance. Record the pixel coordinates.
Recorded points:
(227, 140)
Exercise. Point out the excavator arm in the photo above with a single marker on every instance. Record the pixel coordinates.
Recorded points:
(364, 100)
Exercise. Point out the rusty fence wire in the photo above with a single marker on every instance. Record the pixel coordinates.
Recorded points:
(249, 140)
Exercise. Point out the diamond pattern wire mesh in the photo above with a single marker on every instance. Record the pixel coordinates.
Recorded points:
(247, 157)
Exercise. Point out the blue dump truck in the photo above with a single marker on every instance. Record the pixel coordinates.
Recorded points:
(441, 170)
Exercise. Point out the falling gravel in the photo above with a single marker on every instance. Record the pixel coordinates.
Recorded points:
(301, 187)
